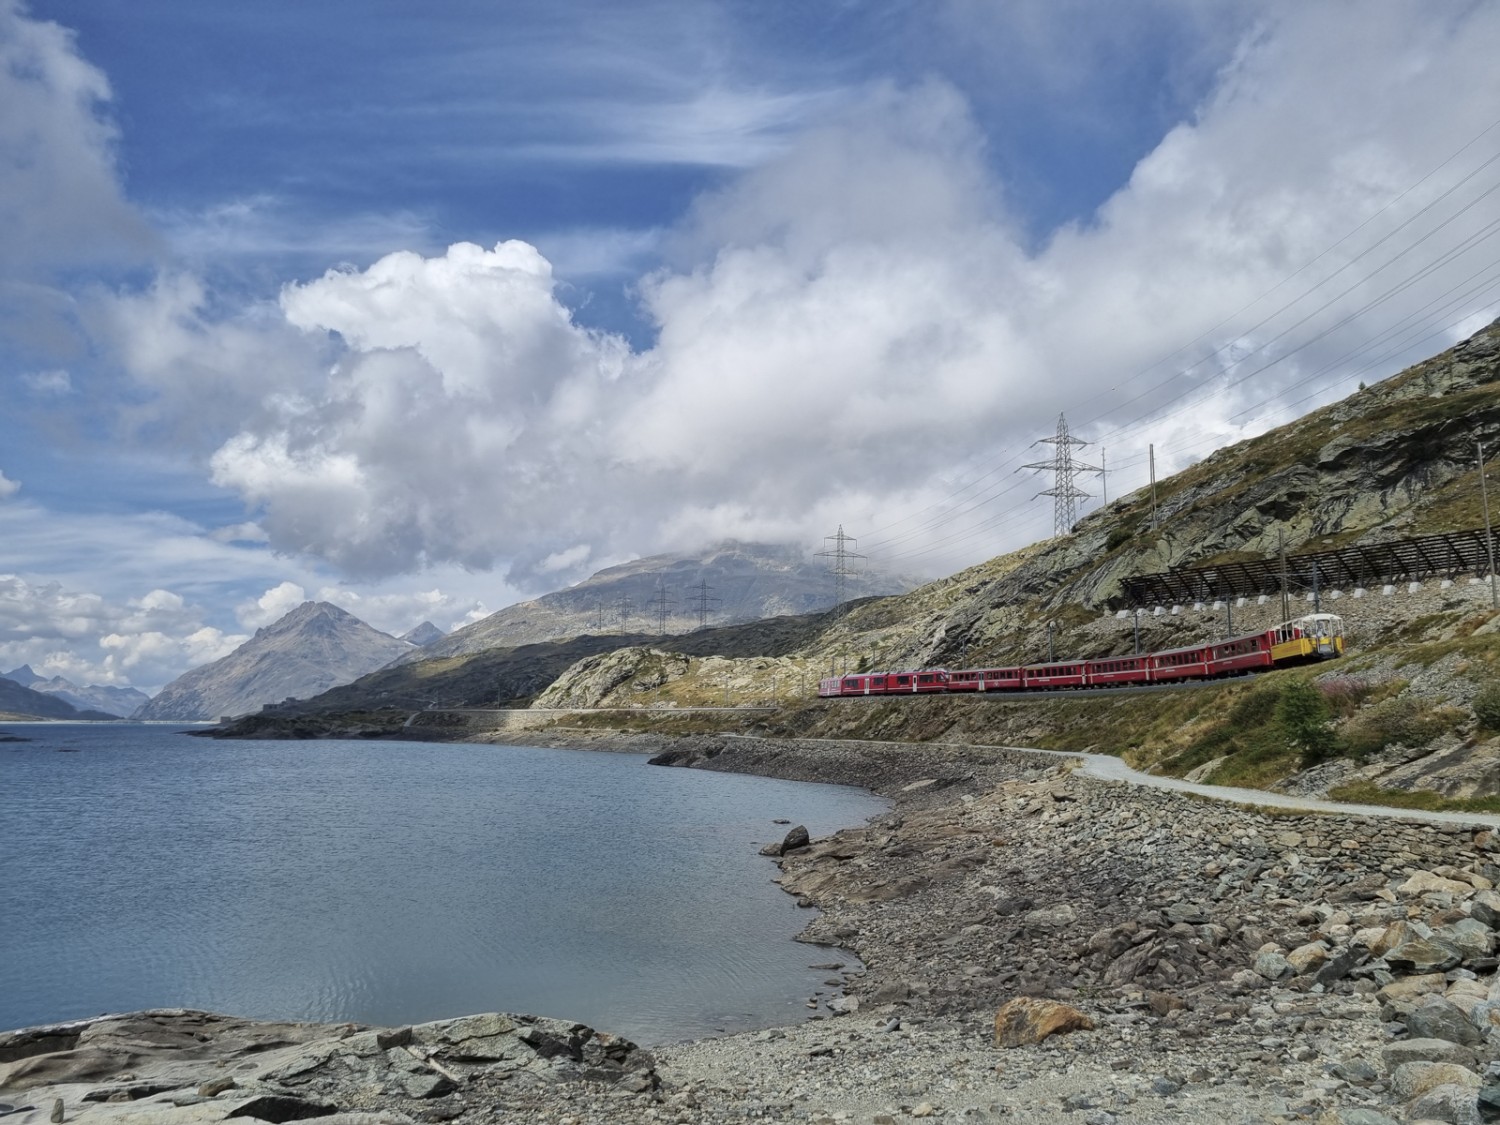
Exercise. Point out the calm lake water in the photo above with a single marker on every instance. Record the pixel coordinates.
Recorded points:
(394, 882)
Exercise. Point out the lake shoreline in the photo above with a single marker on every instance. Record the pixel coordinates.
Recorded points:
(1229, 959)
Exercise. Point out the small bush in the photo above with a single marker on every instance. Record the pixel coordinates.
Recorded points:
(1396, 722)
(1305, 721)
(1487, 708)
(1118, 537)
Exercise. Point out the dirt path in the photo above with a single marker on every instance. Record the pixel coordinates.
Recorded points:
(1108, 768)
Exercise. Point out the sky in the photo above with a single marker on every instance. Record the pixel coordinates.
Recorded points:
(425, 309)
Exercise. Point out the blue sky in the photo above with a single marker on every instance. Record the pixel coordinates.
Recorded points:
(425, 309)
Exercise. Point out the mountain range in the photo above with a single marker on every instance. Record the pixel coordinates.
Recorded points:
(732, 582)
(117, 701)
(313, 648)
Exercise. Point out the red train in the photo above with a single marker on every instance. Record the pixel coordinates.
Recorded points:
(1318, 636)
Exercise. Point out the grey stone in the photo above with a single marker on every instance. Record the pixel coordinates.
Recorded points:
(1413, 1079)
(1336, 968)
(1486, 908)
(1426, 1050)
(1356, 1071)
(1272, 966)
(1469, 936)
(1457, 1105)
(428, 1085)
(1437, 1017)
(1423, 955)
(1357, 1115)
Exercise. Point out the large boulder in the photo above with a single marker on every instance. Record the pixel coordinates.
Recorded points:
(1026, 1021)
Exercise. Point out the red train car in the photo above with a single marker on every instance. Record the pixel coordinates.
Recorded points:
(987, 679)
(1120, 670)
(1064, 674)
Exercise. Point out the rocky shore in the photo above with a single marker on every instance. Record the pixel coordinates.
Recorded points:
(1038, 946)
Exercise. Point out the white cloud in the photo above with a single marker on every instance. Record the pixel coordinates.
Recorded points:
(86, 638)
(61, 203)
(570, 559)
(52, 382)
(8, 488)
(857, 321)
(271, 606)
(400, 611)
(60, 198)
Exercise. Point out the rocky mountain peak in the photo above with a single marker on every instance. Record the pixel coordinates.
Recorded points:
(423, 634)
(23, 676)
(311, 649)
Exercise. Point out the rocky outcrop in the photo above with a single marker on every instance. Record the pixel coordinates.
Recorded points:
(622, 676)
(176, 1065)
(313, 648)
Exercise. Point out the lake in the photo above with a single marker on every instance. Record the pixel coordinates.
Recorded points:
(396, 882)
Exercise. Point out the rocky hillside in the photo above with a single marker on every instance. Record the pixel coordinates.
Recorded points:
(313, 648)
(747, 581)
(116, 701)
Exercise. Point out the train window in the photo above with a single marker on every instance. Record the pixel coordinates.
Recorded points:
(903, 680)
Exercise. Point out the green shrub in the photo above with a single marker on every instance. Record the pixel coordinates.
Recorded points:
(1395, 722)
(1487, 707)
(1118, 537)
(1305, 721)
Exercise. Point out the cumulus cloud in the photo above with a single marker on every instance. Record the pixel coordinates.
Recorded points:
(61, 202)
(857, 326)
(87, 638)
(400, 611)
(271, 606)
(8, 487)
(462, 382)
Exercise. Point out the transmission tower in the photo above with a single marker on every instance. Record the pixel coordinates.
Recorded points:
(623, 607)
(840, 552)
(599, 611)
(703, 600)
(1064, 468)
(659, 605)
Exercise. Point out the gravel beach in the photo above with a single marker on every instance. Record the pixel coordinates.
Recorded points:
(1037, 945)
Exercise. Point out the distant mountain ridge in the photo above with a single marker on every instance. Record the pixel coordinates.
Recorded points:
(423, 634)
(117, 701)
(745, 582)
(16, 699)
(313, 648)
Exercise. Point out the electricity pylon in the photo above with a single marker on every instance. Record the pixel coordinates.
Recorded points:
(703, 600)
(840, 553)
(1065, 467)
(659, 605)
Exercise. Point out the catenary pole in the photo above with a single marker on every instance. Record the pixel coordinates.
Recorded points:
(1489, 537)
